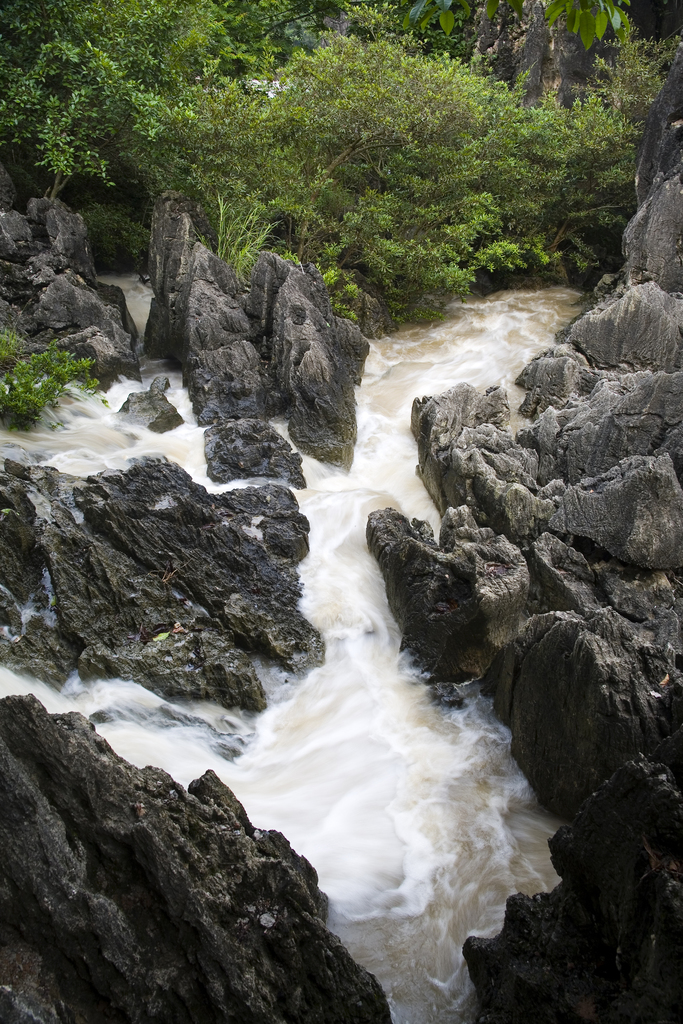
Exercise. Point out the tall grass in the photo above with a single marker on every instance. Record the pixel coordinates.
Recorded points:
(11, 347)
(241, 236)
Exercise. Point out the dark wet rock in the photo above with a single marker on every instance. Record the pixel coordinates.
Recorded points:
(638, 414)
(73, 313)
(275, 349)
(239, 449)
(467, 456)
(662, 139)
(142, 574)
(48, 290)
(607, 943)
(640, 330)
(634, 510)
(653, 237)
(151, 408)
(127, 898)
(112, 295)
(8, 193)
(581, 696)
(457, 602)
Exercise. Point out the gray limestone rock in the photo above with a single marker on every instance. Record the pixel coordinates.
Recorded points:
(239, 449)
(640, 330)
(467, 457)
(73, 313)
(127, 898)
(274, 349)
(48, 289)
(581, 696)
(151, 408)
(457, 602)
(634, 511)
(636, 414)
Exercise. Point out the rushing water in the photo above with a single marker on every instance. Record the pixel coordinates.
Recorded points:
(416, 818)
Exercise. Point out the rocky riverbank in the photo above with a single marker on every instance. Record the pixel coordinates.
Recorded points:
(562, 553)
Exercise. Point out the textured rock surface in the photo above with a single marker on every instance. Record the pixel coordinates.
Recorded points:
(640, 330)
(466, 457)
(126, 898)
(653, 238)
(606, 944)
(48, 288)
(145, 575)
(239, 449)
(639, 414)
(634, 510)
(457, 602)
(275, 349)
(581, 696)
(151, 408)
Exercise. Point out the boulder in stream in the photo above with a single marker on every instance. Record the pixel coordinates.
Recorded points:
(151, 408)
(274, 348)
(143, 574)
(124, 897)
(457, 602)
(239, 449)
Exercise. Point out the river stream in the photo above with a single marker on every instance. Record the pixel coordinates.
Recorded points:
(415, 816)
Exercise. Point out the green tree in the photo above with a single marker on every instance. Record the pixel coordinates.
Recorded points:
(79, 79)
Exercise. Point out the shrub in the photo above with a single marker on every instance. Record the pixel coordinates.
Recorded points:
(40, 381)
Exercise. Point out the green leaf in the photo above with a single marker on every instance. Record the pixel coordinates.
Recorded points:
(572, 19)
(162, 636)
(491, 8)
(416, 11)
(516, 5)
(601, 22)
(447, 21)
(587, 29)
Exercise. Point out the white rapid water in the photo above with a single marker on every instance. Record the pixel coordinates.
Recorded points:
(416, 818)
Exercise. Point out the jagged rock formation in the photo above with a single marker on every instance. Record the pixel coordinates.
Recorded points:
(593, 684)
(456, 602)
(582, 696)
(48, 287)
(124, 897)
(151, 408)
(606, 944)
(467, 456)
(275, 349)
(239, 449)
(142, 574)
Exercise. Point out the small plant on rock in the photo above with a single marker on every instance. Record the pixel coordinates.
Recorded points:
(40, 381)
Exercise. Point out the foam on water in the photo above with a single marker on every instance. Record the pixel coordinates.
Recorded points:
(416, 818)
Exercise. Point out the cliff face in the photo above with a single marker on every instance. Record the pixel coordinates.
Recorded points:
(555, 58)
